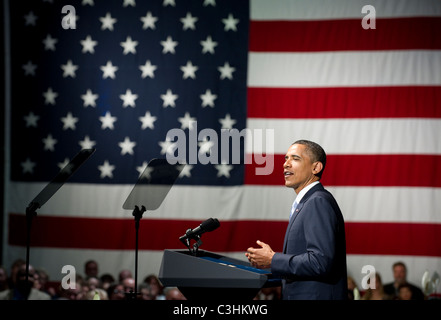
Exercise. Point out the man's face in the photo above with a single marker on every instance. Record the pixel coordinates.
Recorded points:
(298, 168)
(92, 269)
(400, 274)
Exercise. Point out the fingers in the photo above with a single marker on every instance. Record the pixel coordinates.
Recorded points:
(249, 252)
(261, 243)
(260, 257)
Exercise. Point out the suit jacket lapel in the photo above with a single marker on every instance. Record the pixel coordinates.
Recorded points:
(291, 221)
(297, 211)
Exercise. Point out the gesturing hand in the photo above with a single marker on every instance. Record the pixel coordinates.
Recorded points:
(260, 257)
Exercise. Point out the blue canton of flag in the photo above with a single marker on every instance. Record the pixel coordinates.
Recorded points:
(117, 76)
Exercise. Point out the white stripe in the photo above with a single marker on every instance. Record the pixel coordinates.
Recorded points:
(350, 136)
(149, 262)
(358, 204)
(342, 69)
(389, 204)
(340, 9)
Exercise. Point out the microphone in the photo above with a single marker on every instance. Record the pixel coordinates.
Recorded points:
(208, 225)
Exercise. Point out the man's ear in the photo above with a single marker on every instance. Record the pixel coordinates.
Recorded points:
(317, 167)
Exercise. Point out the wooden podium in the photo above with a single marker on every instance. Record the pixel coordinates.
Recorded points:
(209, 276)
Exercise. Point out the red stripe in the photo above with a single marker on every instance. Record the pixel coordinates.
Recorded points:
(335, 35)
(353, 102)
(385, 170)
(232, 236)
(419, 239)
(119, 234)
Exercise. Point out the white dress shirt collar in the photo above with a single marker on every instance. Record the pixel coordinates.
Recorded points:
(305, 190)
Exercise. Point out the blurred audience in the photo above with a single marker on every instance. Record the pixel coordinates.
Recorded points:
(26, 287)
(376, 292)
(156, 287)
(92, 286)
(399, 271)
(353, 291)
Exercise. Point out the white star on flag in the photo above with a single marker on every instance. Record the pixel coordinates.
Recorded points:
(209, 2)
(169, 99)
(63, 164)
(185, 171)
(89, 2)
(29, 68)
(69, 121)
(208, 98)
(149, 21)
(28, 166)
(107, 121)
(208, 45)
(31, 120)
(30, 19)
(49, 96)
(87, 143)
(49, 143)
(145, 172)
(49, 43)
(148, 70)
(129, 3)
(227, 122)
(142, 168)
(189, 22)
(107, 22)
(89, 98)
(129, 45)
(147, 121)
(127, 146)
(187, 121)
(169, 45)
(106, 169)
(109, 70)
(169, 2)
(128, 98)
(88, 45)
(167, 146)
(230, 23)
(226, 71)
(189, 70)
(223, 169)
(69, 69)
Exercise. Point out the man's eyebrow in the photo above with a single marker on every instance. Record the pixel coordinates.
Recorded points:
(292, 156)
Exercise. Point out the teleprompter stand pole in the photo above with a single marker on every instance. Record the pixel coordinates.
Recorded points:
(48, 192)
(137, 213)
(30, 214)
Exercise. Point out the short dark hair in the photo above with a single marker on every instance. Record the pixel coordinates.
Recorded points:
(399, 264)
(315, 152)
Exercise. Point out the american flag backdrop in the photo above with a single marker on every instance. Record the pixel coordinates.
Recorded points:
(122, 73)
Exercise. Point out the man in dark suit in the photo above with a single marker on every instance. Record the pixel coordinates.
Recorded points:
(313, 262)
